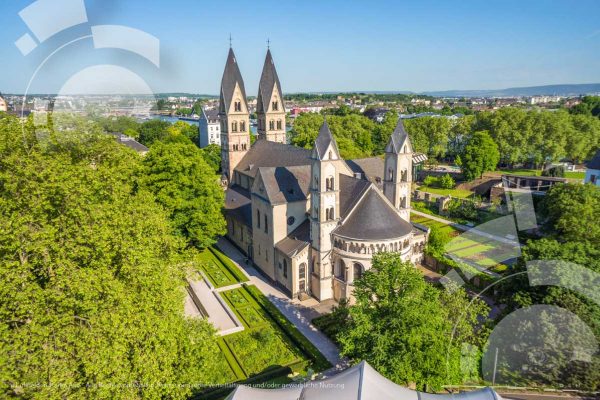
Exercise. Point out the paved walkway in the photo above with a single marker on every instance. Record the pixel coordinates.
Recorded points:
(299, 313)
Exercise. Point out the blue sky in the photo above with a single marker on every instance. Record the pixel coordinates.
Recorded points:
(327, 45)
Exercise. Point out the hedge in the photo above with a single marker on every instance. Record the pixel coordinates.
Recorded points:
(231, 360)
(320, 363)
(231, 267)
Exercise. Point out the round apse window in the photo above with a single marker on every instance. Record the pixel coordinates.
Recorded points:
(291, 220)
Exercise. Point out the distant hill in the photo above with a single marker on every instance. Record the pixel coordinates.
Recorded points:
(555, 90)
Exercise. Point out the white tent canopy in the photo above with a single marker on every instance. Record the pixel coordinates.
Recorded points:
(360, 382)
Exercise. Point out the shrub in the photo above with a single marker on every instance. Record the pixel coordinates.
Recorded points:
(231, 267)
(446, 182)
(429, 180)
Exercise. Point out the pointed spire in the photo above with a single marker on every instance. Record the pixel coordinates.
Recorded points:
(324, 141)
(231, 77)
(398, 139)
(268, 80)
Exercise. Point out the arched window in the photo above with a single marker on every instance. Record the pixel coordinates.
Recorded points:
(329, 183)
(284, 268)
(329, 214)
(234, 126)
(390, 174)
(243, 126)
(341, 269)
(358, 271)
(330, 155)
(275, 105)
(316, 180)
(278, 124)
(266, 224)
(302, 271)
(258, 218)
(237, 106)
(271, 125)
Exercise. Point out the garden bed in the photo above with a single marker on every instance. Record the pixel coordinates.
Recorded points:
(219, 270)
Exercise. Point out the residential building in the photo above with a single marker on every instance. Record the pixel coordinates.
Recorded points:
(209, 127)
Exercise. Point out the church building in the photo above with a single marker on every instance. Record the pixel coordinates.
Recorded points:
(308, 219)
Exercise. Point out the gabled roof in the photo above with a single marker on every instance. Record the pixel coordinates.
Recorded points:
(398, 139)
(264, 153)
(231, 78)
(360, 382)
(295, 241)
(282, 184)
(238, 204)
(594, 163)
(373, 218)
(324, 141)
(268, 80)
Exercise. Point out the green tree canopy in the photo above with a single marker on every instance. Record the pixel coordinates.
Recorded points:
(403, 326)
(480, 155)
(186, 186)
(91, 287)
(572, 211)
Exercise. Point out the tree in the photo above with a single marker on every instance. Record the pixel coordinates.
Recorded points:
(153, 130)
(446, 182)
(212, 156)
(429, 135)
(91, 287)
(480, 155)
(572, 211)
(176, 173)
(403, 326)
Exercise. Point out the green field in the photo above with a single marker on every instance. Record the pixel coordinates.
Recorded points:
(460, 193)
(431, 223)
(219, 270)
(574, 175)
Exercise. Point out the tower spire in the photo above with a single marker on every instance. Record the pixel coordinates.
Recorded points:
(270, 108)
(230, 41)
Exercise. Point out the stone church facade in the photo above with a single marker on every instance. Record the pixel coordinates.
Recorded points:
(308, 219)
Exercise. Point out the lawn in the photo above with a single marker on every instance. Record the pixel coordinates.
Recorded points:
(521, 171)
(478, 250)
(269, 343)
(219, 270)
(431, 223)
(574, 175)
(460, 193)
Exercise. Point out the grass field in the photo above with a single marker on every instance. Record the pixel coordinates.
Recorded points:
(481, 252)
(460, 193)
(574, 175)
(431, 223)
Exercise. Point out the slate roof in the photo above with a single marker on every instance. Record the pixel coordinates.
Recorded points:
(297, 240)
(130, 142)
(370, 168)
(350, 191)
(398, 138)
(211, 114)
(238, 204)
(283, 184)
(231, 76)
(373, 219)
(323, 140)
(268, 79)
(594, 163)
(264, 153)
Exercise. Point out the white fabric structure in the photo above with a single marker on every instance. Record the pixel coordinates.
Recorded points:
(360, 382)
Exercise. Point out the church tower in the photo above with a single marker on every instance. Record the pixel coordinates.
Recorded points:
(234, 117)
(269, 104)
(325, 210)
(398, 170)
